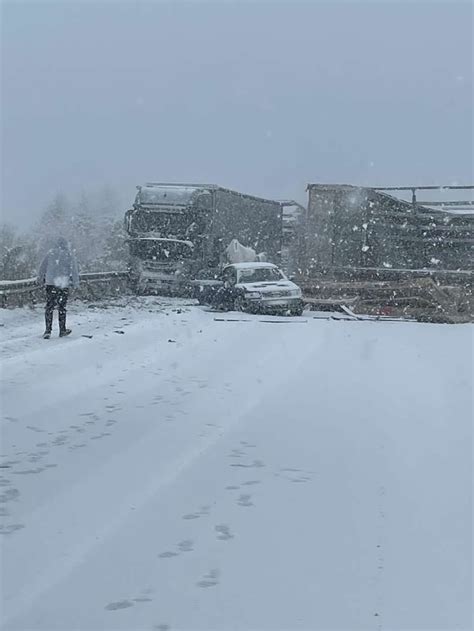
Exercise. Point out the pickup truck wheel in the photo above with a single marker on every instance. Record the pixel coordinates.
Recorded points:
(297, 312)
(239, 304)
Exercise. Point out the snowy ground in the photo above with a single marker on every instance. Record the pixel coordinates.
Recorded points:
(195, 474)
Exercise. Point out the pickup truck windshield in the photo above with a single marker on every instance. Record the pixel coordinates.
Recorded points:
(260, 274)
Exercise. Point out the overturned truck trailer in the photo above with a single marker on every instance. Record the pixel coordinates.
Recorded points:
(348, 226)
(178, 233)
(368, 244)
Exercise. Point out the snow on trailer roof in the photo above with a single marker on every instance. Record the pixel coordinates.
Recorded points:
(190, 189)
(444, 200)
(152, 194)
(181, 185)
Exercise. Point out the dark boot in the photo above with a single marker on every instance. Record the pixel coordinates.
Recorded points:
(49, 324)
(48, 312)
(62, 324)
(62, 302)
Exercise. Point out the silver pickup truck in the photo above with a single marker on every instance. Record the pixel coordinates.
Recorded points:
(252, 287)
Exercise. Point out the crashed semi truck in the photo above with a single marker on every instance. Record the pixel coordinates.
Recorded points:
(178, 234)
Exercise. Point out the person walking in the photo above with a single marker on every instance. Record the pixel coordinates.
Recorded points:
(58, 271)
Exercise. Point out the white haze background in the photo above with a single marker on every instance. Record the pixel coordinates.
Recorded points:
(258, 96)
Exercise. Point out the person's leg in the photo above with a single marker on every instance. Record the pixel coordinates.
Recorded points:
(48, 311)
(62, 303)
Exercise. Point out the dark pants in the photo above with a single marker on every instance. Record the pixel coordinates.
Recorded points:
(55, 297)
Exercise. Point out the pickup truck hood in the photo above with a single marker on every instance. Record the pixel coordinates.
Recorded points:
(268, 287)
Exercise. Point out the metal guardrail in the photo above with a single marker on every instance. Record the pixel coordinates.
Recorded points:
(336, 273)
(97, 276)
(31, 284)
(444, 293)
(386, 273)
(10, 286)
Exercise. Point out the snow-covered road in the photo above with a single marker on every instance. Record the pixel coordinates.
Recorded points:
(178, 472)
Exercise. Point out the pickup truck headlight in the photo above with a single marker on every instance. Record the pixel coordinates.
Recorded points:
(253, 295)
(296, 293)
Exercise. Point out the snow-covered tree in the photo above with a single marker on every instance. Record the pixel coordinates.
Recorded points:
(18, 254)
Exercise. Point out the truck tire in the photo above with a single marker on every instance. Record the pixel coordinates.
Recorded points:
(133, 284)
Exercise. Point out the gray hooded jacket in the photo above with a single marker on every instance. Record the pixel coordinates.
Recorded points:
(59, 267)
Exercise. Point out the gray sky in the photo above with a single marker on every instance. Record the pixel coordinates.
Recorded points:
(262, 97)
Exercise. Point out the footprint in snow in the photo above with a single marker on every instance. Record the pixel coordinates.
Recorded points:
(35, 458)
(142, 599)
(187, 545)
(98, 436)
(60, 440)
(256, 464)
(167, 555)
(120, 604)
(244, 500)
(7, 530)
(203, 510)
(8, 464)
(223, 532)
(9, 495)
(209, 580)
(236, 453)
